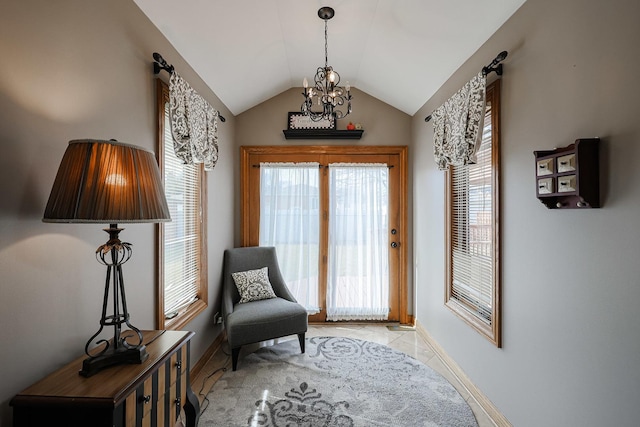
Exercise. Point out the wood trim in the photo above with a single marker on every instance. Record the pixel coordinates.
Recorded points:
(245, 172)
(193, 310)
(203, 292)
(405, 318)
(185, 316)
(448, 251)
(493, 91)
(323, 258)
(411, 320)
(491, 332)
(249, 152)
(162, 94)
(462, 311)
(324, 149)
(483, 402)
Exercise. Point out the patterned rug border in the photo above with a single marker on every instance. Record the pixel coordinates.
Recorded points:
(338, 382)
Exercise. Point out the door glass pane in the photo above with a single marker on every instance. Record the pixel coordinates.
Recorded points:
(358, 267)
(289, 220)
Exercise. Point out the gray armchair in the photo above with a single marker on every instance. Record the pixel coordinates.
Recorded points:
(256, 321)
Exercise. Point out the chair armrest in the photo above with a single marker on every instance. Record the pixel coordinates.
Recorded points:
(284, 292)
(278, 283)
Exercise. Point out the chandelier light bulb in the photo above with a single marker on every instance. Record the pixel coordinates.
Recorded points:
(305, 83)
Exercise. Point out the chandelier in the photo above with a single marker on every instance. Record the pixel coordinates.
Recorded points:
(326, 95)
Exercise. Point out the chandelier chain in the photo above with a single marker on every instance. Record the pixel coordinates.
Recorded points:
(326, 45)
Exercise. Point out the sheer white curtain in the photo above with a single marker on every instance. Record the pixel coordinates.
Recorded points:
(289, 220)
(358, 268)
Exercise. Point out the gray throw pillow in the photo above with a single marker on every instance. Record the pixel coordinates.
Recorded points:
(253, 285)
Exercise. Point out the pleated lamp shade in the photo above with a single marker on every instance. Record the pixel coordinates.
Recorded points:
(107, 182)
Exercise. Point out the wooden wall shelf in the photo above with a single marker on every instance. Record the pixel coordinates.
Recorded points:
(569, 177)
(322, 134)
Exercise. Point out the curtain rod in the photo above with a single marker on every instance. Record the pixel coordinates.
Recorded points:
(160, 64)
(319, 166)
(493, 66)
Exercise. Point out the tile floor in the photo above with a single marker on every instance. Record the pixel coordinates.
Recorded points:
(402, 339)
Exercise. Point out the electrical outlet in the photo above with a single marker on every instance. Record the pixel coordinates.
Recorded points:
(217, 318)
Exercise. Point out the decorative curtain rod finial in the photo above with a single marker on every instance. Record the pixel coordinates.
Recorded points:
(160, 64)
(486, 70)
(495, 64)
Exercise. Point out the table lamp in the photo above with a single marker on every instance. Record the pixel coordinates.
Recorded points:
(109, 182)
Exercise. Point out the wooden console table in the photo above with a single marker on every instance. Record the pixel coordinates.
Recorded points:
(154, 393)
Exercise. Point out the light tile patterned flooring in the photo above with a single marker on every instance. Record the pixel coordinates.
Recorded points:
(402, 339)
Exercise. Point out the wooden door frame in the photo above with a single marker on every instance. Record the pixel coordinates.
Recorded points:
(246, 152)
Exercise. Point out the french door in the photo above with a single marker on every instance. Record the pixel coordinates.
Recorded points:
(337, 216)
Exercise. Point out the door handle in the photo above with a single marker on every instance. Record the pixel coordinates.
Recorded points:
(394, 245)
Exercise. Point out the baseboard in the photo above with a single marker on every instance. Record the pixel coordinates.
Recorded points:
(208, 354)
(410, 320)
(487, 406)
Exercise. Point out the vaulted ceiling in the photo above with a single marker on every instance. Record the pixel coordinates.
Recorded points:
(399, 51)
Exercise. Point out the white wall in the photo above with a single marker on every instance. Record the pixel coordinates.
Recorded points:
(571, 279)
(81, 69)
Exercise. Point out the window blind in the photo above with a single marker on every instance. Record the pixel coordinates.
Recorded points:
(182, 236)
(472, 223)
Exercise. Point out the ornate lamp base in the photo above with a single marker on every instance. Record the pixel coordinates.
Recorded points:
(134, 355)
(118, 350)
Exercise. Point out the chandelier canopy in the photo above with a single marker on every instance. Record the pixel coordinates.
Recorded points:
(326, 95)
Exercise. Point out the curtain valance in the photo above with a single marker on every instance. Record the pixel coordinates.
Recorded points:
(194, 124)
(458, 124)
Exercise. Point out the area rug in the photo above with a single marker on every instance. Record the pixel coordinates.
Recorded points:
(339, 382)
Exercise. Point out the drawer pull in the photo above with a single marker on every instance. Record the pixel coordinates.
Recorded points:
(179, 364)
(178, 400)
(146, 399)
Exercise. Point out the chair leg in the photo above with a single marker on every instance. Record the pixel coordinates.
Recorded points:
(301, 339)
(235, 352)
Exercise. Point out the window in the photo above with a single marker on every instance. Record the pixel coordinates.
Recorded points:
(472, 215)
(182, 272)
